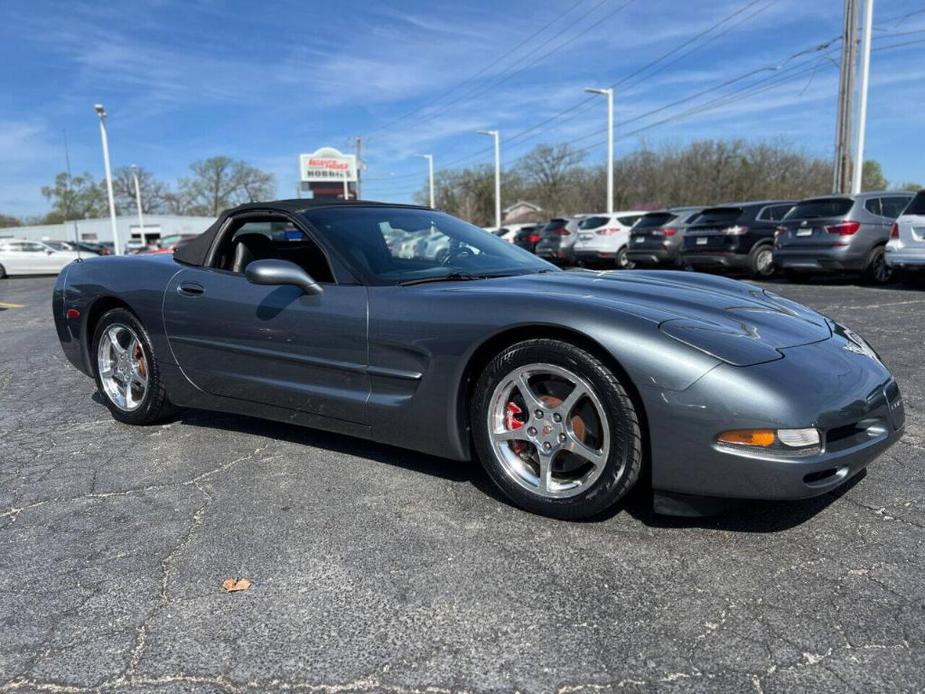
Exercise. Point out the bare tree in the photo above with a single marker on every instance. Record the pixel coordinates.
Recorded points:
(153, 192)
(221, 182)
(546, 171)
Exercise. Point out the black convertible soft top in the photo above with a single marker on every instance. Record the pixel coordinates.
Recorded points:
(196, 251)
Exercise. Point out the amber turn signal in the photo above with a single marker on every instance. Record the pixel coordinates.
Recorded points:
(762, 438)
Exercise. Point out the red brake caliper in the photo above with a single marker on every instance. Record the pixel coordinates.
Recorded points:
(511, 423)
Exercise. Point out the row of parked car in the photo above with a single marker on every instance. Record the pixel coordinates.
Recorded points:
(26, 257)
(870, 234)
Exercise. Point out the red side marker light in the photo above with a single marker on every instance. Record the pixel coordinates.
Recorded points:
(73, 313)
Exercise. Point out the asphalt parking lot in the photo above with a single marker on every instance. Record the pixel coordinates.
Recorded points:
(375, 569)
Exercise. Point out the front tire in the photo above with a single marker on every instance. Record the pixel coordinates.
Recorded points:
(556, 430)
(127, 371)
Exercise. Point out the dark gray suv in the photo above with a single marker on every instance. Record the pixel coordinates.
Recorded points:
(657, 238)
(839, 233)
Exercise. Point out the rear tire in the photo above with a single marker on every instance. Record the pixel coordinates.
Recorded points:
(569, 447)
(122, 354)
(761, 262)
(622, 261)
(876, 271)
(2, 273)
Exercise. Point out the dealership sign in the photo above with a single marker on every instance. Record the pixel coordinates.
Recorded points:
(327, 165)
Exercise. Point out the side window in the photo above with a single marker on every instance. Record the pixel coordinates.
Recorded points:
(893, 207)
(775, 213)
(872, 205)
(271, 238)
(13, 248)
(33, 247)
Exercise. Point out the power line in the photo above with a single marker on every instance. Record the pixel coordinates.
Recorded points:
(816, 47)
(485, 69)
(546, 52)
(746, 92)
(585, 102)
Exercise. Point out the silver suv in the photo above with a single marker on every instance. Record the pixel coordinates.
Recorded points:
(906, 249)
(839, 233)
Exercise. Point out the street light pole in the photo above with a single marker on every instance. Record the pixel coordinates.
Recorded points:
(862, 106)
(141, 219)
(608, 92)
(430, 176)
(497, 136)
(101, 112)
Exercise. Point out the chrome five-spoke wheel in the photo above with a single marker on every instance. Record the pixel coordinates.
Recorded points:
(123, 368)
(549, 430)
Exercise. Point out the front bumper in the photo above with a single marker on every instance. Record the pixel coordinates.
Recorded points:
(850, 397)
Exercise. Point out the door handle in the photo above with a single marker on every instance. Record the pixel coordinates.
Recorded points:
(190, 289)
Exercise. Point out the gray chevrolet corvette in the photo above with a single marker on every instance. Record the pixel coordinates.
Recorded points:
(410, 327)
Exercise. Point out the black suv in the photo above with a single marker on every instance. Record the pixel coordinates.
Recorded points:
(738, 236)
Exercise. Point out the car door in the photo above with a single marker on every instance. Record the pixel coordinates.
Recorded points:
(36, 258)
(273, 345)
(13, 259)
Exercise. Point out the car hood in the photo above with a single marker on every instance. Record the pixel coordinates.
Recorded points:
(734, 321)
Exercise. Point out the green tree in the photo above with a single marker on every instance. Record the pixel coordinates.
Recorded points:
(218, 183)
(872, 177)
(7, 221)
(74, 197)
(910, 186)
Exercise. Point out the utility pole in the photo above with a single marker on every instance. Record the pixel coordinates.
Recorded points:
(842, 170)
(497, 137)
(359, 153)
(141, 219)
(430, 176)
(862, 106)
(608, 92)
(67, 194)
(104, 138)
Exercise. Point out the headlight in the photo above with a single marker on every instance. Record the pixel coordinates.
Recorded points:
(782, 443)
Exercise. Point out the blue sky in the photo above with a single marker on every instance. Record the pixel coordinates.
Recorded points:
(263, 81)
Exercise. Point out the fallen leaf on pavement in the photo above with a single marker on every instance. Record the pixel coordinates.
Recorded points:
(233, 585)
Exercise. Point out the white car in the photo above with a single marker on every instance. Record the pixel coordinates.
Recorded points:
(20, 257)
(906, 248)
(603, 238)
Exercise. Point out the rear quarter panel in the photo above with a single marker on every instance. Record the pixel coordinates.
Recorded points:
(93, 284)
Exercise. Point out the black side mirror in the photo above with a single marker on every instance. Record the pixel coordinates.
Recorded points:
(49, 252)
(281, 272)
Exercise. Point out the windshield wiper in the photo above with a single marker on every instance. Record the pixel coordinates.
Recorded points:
(452, 277)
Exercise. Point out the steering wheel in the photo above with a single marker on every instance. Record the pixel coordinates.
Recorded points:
(457, 252)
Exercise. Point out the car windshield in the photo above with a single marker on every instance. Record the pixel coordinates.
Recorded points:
(720, 215)
(593, 222)
(395, 245)
(824, 207)
(554, 224)
(917, 206)
(653, 220)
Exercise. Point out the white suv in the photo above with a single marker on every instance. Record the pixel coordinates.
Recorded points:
(906, 247)
(603, 238)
